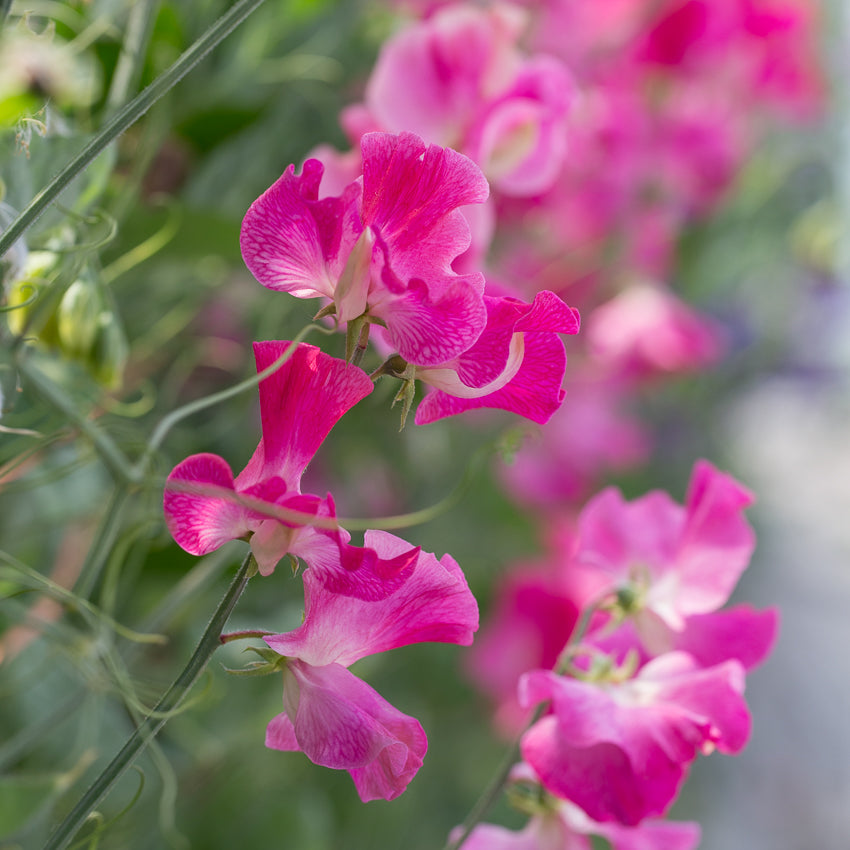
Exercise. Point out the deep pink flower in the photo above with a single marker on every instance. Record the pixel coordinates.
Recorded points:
(622, 750)
(383, 248)
(332, 716)
(564, 826)
(205, 506)
(517, 363)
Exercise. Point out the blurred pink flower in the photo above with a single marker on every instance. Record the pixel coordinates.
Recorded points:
(299, 404)
(517, 364)
(459, 79)
(621, 750)
(332, 716)
(383, 248)
(647, 330)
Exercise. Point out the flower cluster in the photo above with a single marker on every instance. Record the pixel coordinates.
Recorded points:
(503, 155)
(656, 676)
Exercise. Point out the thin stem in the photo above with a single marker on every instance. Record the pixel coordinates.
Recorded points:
(168, 422)
(126, 117)
(150, 726)
(109, 453)
(511, 757)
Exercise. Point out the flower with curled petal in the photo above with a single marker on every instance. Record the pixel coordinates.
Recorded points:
(382, 250)
(205, 506)
(336, 719)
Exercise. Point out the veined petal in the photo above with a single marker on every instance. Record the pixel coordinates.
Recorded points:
(201, 522)
(431, 326)
(299, 404)
(431, 603)
(340, 722)
(291, 241)
(409, 188)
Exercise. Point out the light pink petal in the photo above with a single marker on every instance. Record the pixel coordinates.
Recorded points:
(540, 833)
(623, 757)
(740, 632)
(717, 541)
(292, 242)
(651, 835)
(340, 722)
(432, 603)
(200, 522)
(522, 141)
(299, 404)
(616, 536)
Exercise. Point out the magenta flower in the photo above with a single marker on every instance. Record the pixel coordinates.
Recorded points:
(622, 750)
(332, 716)
(517, 363)
(383, 249)
(205, 506)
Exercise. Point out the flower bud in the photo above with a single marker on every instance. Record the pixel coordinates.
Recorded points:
(36, 275)
(78, 318)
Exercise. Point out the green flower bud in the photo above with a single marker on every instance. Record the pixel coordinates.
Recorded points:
(37, 274)
(78, 318)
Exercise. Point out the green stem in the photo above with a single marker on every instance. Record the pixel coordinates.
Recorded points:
(150, 726)
(109, 453)
(512, 756)
(126, 117)
(168, 422)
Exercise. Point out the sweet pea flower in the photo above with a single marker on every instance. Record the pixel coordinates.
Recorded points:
(458, 78)
(517, 364)
(205, 506)
(329, 714)
(647, 330)
(558, 824)
(621, 750)
(669, 561)
(382, 250)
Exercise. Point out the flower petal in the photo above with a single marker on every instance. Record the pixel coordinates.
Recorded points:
(431, 603)
(200, 522)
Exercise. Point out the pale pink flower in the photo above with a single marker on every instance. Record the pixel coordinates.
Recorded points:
(332, 716)
(459, 79)
(621, 750)
(675, 561)
(205, 506)
(647, 330)
(382, 249)
(517, 364)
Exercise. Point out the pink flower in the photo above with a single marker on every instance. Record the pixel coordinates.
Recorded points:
(332, 716)
(383, 248)
(564, 826)
(622, 750)
(517, 363)
(646, 330)
(676, 561)
(459, 79)
(299, 404)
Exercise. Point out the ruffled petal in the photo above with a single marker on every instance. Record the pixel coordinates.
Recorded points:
(431, 603)
(291, 241)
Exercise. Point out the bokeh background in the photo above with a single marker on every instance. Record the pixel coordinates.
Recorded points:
(771, 264)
